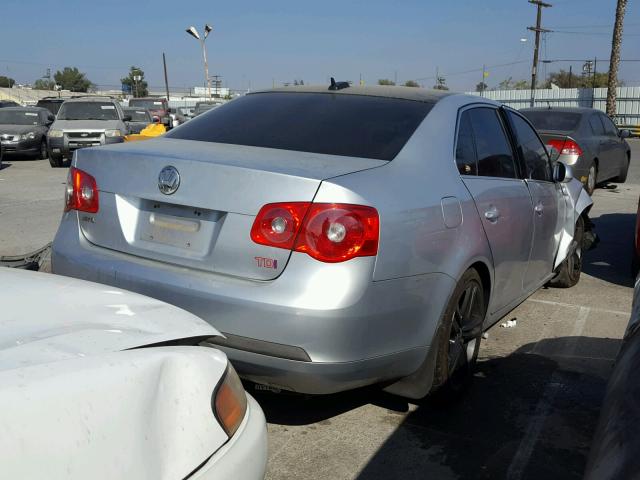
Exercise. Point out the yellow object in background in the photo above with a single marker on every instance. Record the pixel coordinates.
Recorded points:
(150, 131)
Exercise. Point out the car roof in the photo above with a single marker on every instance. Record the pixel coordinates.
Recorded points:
(392, 91)
(581, 110)
(52, 99)
(91, 99)
(137, 109)
(149, 98)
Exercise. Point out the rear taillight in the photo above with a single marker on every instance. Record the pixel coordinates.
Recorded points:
(230, 402)
(566, 147)
(329, 232)
(82, 192)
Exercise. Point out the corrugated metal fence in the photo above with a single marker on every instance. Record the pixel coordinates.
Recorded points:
(627, 103)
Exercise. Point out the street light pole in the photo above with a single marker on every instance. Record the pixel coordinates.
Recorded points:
(538, 29)
(194, 33)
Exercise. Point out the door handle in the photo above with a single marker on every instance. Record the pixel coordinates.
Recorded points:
(492, 214)
(539, 208)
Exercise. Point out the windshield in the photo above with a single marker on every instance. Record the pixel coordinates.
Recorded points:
(553, 120)
(147, 104)
(334, 124)
(88, 111)
(138, 115)
(18, 117)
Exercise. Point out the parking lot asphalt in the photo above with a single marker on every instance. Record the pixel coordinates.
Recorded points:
(533, 405)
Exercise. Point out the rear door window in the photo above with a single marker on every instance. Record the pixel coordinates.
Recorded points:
(596, 125)
(531, 149)
(326, 123)
(495, 156)
(609, 128)
(466, 158)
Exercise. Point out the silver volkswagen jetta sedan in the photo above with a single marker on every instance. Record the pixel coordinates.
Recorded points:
(338, 237)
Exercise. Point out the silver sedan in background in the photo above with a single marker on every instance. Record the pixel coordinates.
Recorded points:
(338, 237)
(586, 139)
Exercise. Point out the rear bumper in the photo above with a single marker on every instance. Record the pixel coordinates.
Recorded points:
(316, 331)
(244, 457)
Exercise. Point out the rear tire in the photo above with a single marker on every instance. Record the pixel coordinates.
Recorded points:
(44, 152)
(459, 335)
(55, 162)
(623, 174)
(591, 179)
(568, 273)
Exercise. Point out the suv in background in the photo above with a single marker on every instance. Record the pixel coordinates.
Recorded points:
(202, 107)
(157, 106)
(85, 122)
(52, 104)
(8, 103)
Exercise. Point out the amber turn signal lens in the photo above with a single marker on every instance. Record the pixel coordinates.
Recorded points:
(230, 402)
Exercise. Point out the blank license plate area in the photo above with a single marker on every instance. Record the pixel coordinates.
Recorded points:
(182, 230)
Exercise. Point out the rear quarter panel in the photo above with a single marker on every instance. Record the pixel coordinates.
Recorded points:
(408, 193)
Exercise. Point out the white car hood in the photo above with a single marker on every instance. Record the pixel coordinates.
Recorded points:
(48, 318)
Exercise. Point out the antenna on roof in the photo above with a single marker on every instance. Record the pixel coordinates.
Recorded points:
(338, 85)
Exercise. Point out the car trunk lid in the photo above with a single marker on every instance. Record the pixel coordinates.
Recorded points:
(205, 224)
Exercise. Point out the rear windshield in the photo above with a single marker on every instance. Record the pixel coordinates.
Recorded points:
(550, 120)
(138, 115)
(88, 111)
(52, 106)
(334, 124)
(18, 117)
(147, 104)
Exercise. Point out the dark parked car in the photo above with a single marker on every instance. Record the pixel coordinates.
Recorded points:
(587, 140)
(23, 130)
(140, 118)
(8, 103)
(52, 104)
(615, 446)
(158, 107)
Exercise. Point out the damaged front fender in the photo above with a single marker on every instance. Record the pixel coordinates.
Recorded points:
(577, 202)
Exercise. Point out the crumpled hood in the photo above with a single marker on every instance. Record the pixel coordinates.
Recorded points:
(86, 124)
(47, 318)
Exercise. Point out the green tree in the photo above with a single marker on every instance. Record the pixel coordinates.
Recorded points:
(6, 82)
(441, 83)
(510, 84)
(44, 84)
(138, 88)
(386, 81)
(482, 87)
(411, 83)
(563, 80)
(70, 78)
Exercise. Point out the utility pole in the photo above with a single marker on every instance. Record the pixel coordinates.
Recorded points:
(482, 84)
(614, 60)
(538, 29)
(570, 76)
(166, 80)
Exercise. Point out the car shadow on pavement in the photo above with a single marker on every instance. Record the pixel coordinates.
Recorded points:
(611, 259)
(533, 411)
(4, 164)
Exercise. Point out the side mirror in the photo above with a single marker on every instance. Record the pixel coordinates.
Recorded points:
(562, 173)
(126, 118)
(624, 133)
(49, 122)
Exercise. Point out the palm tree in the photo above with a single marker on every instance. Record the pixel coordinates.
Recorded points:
(615, 58)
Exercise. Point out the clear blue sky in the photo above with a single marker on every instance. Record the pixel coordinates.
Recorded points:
(257, 42)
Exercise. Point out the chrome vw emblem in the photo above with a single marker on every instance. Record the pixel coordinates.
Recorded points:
(168, 180)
